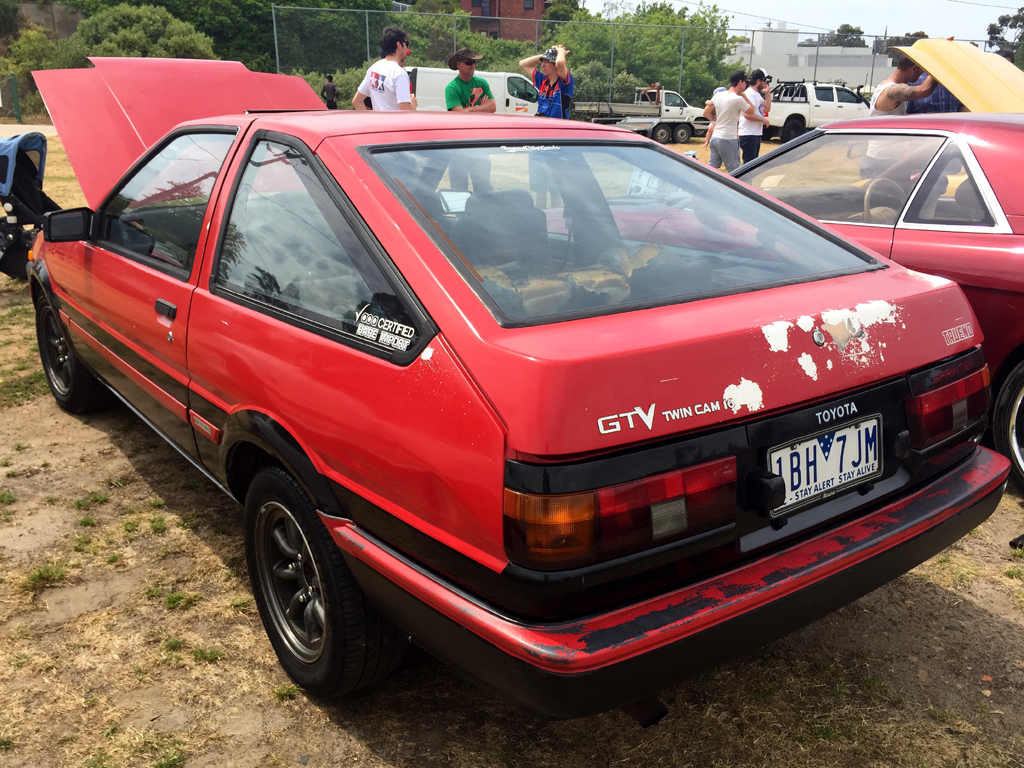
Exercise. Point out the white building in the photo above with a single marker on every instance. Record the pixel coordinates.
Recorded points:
(782, 54)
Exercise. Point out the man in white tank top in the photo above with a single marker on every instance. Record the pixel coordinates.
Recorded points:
(893, 93)
(890, 98)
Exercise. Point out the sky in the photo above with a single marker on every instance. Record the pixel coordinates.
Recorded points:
(966, 19)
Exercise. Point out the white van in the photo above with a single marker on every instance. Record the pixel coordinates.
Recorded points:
(514, 94)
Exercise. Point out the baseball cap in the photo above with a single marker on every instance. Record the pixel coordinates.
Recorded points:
(759, 74)
(551, 54)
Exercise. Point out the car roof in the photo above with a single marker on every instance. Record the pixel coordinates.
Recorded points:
(960, 122)
(322, 124)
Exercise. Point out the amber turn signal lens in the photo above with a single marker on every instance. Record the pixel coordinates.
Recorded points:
(553, 528)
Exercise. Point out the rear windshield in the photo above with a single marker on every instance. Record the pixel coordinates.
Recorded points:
(552, 232)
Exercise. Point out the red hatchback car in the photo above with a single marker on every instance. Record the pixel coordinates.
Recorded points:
(577, 415)
(939, 194)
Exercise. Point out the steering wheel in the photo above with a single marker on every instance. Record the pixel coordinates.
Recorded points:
(881, 184)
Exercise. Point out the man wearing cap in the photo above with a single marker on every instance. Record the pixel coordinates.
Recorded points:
(759, 94)
(467, 92)
(553, 80)
(725, 109)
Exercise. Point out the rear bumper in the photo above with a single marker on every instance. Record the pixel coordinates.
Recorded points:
(586, 666)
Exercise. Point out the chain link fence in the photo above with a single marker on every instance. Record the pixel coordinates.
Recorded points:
(609, 60)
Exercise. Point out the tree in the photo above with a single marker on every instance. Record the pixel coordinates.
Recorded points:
(1006, 33)
(126, 30)
(562, 10)
(243, 30)
(845, 36)
(887, 45)
(9, 10)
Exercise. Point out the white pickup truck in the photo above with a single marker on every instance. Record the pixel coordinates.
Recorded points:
(513, 93)
(798, 107)
(663, 115)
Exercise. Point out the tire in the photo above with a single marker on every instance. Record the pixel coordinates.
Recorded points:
(328, 638)
(793, 127)
(682, 134)
(1008, 422)
(769, 132)
(661, 133)
(73, 386)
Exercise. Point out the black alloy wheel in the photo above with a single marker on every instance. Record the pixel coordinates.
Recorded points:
(74, 387)
(328, 638)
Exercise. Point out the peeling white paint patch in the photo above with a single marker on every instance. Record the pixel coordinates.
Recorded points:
(746, 393)
(807, 363)
(427, 353)
(828, 364)
(805, 323)
(777, 334)
(846, 325)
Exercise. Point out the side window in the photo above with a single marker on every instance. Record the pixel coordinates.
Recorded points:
(287, 245)
(949, 195)
(518, 88)
(527, 5)
(159, 212)
(824, 94)
(673, 100)
(847, 96)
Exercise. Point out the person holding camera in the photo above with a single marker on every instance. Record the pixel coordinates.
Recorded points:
(553, 81)
(759, 94)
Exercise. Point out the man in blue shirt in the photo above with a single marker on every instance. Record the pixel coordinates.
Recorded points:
(941, 100)
(553, 80)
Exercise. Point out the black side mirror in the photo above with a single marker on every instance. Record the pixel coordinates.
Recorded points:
(67, 226)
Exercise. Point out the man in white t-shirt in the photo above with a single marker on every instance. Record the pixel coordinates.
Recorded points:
(760, 95)
(387, 83)
(725, 109)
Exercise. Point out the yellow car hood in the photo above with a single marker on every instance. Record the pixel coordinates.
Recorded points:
(984, 82)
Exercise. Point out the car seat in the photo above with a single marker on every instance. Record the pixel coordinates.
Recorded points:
(501, 227)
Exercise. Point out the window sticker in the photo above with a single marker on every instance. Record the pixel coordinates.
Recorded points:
(383, 331)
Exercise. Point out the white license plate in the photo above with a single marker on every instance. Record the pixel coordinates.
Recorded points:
(820, 466)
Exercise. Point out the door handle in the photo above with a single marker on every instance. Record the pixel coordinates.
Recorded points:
(506, 102)
(166, 309)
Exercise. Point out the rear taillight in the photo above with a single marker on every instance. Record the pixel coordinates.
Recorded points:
(941, 412)
(568, 530)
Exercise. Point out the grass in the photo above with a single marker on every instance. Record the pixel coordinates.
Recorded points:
(179, 601)
(157, 503)
(286, 692)
(111, 559)
(92, 500)
(175, 758)
(6, 497)
(1014, 573)
(241, 604)
(20, 390)
(1017, 554)
(207, 655)
(87, 522)
(131, 526)
(154, 590)
(173, 643)
(81, 542)
(46, 576)
(6, 744)
(157, 524)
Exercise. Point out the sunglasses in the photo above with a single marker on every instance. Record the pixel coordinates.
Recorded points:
(469, 63)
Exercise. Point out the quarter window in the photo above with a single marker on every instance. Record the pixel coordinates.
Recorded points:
(158, 214)
(846, 177)
(288, 246)
(949, 195)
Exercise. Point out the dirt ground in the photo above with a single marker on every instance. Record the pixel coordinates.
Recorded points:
(128, 636)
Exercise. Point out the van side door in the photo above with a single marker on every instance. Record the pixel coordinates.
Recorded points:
(520, 97)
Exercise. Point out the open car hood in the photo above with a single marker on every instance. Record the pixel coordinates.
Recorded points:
(108, 116)
(983, 82)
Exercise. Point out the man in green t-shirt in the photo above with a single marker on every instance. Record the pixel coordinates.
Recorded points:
(468, 93)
